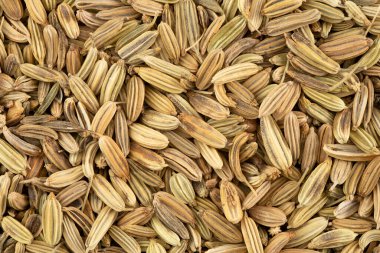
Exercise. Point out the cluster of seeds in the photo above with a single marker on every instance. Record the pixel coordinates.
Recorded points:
(218, 126)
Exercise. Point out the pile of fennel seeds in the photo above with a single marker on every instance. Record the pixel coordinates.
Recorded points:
(189, 126)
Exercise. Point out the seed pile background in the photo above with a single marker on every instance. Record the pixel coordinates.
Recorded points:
(223, 126)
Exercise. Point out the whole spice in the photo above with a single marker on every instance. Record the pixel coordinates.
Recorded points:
(189, 126)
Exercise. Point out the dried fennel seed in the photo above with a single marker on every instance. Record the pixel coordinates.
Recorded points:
(189, 125)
